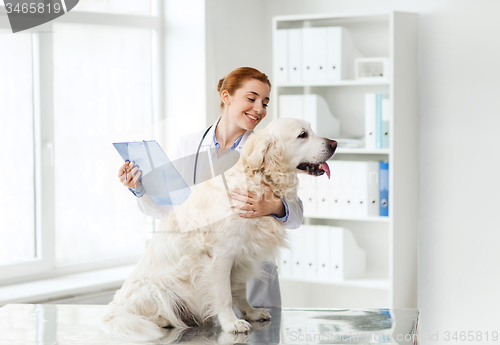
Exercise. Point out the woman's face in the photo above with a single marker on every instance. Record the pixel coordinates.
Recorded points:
(247, 107)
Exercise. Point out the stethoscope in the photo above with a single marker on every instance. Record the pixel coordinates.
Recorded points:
(197, 152)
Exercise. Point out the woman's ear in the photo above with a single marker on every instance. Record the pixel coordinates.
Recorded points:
(255, 150)
(225, 97)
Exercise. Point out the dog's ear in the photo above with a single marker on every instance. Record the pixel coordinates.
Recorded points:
(256, 149)
(275, 157)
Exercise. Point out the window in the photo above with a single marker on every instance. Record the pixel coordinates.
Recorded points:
(17, 205)
(68, 90)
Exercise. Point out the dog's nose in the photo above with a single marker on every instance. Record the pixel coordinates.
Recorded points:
(333, 145)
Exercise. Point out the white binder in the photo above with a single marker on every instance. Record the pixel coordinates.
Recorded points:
(280, 56)
(307, 192)
(341, 54)
(370, 121)
(310, 250)
(323, 252)
(317, 113)
(324, 196)
(308, 51)
(312, 108)
(334, 53)
(347, 259)
(347, 197)
(366, 189)
(294, 55)
(291, 106)
(298, 252)
(285, 260)
(386, 118)
(314, 57)
(336, 189)
(320, 56)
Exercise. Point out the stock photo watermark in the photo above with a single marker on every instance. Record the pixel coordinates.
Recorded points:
(371, 337)
(26, 14)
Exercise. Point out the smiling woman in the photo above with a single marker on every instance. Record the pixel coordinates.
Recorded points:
(244, 95)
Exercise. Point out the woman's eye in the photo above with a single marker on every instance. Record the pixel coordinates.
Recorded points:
(265, 105)
(303, 135)
(251, 99)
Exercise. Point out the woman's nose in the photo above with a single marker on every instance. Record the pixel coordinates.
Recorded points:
(258, 107)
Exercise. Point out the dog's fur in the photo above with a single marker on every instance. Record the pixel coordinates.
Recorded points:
(188, 278)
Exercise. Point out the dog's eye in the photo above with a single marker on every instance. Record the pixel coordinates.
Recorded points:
(303, 135)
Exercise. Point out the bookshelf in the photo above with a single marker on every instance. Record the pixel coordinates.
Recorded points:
(390, 242)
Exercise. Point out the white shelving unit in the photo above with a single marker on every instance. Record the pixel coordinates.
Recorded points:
(390, 242)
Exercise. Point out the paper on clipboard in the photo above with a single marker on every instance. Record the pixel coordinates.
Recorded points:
(159, 176)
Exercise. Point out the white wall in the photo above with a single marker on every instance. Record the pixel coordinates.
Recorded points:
(238, 34)
(185, 70)
(459, 232)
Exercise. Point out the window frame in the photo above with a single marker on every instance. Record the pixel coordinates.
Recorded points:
(44, 265)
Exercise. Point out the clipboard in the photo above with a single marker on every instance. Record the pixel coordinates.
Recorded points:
(159, 177)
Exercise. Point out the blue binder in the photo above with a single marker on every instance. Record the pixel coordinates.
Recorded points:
(159, 176)
(384, 188)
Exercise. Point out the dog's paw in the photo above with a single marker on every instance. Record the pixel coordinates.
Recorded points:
(238, 326)
(233, 338)
(257, 314)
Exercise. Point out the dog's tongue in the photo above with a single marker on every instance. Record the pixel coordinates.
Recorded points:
(326, 168)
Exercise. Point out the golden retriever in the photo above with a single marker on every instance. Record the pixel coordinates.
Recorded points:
(187, 278)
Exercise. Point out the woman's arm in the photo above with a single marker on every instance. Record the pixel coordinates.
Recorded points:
(148, 207)
(295, 214)
(269, 204)
(144, 201)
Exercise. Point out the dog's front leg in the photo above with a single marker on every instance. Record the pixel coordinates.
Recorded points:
(239, 292)
(221, 270)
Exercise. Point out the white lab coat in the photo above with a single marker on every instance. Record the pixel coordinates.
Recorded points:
(264, 292)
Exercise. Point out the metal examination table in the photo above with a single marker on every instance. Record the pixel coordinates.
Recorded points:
(48, 324)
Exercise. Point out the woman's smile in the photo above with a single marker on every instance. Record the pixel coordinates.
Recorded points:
(252, 117)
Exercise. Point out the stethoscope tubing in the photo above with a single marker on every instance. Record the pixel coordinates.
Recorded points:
(197, 152)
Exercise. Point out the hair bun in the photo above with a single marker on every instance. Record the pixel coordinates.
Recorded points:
(221, 82)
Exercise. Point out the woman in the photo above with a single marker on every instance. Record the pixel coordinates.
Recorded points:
(244, 97)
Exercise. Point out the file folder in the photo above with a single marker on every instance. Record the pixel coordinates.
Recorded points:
(384, 188)
(336, 188)
(308, 52)
(298, 252)
(348, 185)
(307, 192)
(347, 258)
(313, 109)
(324, 200)
(281, 56)
(294, 55)
(341, 54)
(370, 121)
(380, 98)
(314, 58)
(317, 113)
(386, 116)
(285, 262)
(366, 191)
(334, 53)
(159, 176)
(323, 252)
(310, 251)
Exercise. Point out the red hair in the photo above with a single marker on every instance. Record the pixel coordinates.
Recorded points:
(234, 80)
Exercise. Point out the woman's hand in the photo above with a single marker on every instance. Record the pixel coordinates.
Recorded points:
(267, 204)
(132, 178)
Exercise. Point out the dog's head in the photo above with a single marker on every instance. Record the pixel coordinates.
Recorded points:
(288, 146)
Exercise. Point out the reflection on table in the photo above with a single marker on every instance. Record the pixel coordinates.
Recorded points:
(44, 324)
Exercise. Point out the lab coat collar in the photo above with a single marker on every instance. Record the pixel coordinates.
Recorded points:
(209, 138)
